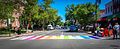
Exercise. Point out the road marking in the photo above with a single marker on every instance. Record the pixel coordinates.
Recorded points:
(71, 37)
(94, 37)
(22, 38)
(55, 37)
(30, 38)
(62, 37)
(66, 37)
(35, 38)
(39, 37)
(85, 37)
(48, 37)
(43, 37)
(78, 37)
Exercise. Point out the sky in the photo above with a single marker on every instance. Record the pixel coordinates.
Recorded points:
(61, 4)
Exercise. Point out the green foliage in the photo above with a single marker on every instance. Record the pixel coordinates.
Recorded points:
(83, 13)
(6, 9)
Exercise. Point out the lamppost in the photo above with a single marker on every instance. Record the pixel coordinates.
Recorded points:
(9, 26)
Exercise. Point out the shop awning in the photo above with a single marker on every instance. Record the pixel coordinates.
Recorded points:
(102, 19)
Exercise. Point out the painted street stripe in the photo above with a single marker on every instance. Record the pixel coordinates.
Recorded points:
(78, 37)
(35, 38)
(66, 37)
(44, 37)
(53, 37)
(19, 38)
(85, 37)
(93, 37)
(39, 37)
(48, 37)
(30, 38)
(71, 37)
(62, 37)
(58, 37)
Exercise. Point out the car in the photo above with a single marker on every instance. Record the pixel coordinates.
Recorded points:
(73, 28)
(50, 27)
(58, 27)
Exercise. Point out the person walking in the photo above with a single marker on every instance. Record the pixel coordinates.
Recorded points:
(116, 29)
(110, 29)
(17, 30)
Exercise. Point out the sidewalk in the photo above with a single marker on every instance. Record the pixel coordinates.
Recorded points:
(104, 38)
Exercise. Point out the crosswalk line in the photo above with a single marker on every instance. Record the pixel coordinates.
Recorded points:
(35, 38)
(94, 37)
(78, 37)
(85, 37)
(30, 38)
(55, 37)
(66, 37)
(22, 38)
(45, 37)
(62, 37)
(71, 37)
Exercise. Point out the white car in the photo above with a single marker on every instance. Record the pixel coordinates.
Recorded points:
(50, 27)
(58, 27)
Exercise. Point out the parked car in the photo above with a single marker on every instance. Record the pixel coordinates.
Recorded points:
(58, 27)
(50, 27)
(73, 28)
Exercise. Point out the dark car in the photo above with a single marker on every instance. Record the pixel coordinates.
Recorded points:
(73, 28)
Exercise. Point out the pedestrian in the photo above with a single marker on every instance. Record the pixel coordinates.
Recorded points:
(110, 29)
(93, 30)
(116, 29)
(17, 30)
(98, 31)
(106, 32)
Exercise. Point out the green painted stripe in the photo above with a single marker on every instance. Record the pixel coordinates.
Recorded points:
(66, 37)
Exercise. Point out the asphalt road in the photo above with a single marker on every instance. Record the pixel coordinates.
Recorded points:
(59, 43)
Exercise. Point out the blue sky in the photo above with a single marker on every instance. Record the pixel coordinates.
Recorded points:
(61, 4)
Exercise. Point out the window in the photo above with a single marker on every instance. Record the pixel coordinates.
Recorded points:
(106, 10)
(111, 8)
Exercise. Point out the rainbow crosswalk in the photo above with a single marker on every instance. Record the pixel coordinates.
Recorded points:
(55, 37)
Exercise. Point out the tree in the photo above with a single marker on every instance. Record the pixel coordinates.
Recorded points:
(6, 9)
(83, 14)
(46, 15)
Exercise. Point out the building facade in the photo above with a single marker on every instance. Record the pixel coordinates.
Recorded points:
(116, 6)
(109, 9)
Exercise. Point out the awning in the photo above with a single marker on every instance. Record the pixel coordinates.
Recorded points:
(102, 19)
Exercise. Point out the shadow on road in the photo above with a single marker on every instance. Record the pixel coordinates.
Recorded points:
(74, 31)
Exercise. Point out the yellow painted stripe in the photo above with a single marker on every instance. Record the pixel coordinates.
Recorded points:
(48, 37)
(53, 37)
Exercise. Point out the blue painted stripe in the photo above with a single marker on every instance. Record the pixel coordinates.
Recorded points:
(85, 37)
(94, 37)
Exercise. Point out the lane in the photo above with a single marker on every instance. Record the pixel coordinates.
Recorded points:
(60, 44)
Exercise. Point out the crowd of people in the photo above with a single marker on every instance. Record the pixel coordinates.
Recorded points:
(109, 31)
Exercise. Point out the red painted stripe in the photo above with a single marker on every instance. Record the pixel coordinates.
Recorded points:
(39, 37)
(30, 38)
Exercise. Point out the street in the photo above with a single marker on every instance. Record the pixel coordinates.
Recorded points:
(57, 34)
(59, 39)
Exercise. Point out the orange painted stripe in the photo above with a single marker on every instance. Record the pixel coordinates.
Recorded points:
(48, 37)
